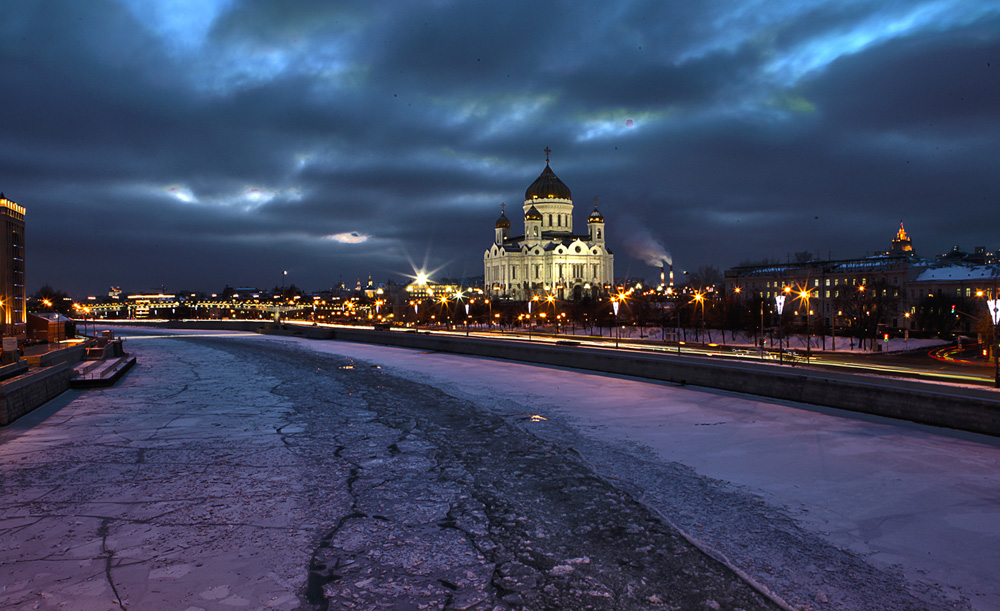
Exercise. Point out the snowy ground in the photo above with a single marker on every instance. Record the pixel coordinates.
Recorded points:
(828, 510)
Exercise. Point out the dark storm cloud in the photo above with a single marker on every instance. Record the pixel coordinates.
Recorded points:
(232, 140)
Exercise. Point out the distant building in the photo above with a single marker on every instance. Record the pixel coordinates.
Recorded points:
(901, 244)
(12, 287)
(830, 281)
(909, 282)
(548, 258)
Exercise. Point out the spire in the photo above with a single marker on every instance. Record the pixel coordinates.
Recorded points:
(503, 222)
(595, 216)
(902, 244)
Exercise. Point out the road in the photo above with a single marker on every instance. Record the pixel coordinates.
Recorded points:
(916, 364)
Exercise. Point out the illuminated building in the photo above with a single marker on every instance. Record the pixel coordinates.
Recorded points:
(901, 244)
(12, 289)
(830, 282)
(548, 258)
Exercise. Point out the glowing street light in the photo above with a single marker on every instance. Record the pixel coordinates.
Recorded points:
(614, 305)
(531, 301)
(805, 295)
(779, 301)
(993, 305)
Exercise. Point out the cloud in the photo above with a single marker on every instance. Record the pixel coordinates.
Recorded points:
(236, 136)
(352, 237)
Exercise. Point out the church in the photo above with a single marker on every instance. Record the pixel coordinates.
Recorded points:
(549, 258)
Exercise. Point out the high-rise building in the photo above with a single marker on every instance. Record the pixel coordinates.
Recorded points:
(548, 258)
(12, 288)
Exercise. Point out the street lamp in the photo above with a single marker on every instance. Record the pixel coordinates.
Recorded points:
(804, 295)
(994, 307)
(533, 299)
(614, 306)
(779, 301)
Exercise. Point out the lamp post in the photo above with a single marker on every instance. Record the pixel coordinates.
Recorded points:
(779, 301)
(532, 300)
(805, 295)
(994, 307)
(760, 341)
(614, 306)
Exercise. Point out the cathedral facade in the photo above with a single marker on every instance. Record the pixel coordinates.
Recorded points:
(549, 258)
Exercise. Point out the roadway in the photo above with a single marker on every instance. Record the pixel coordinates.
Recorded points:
(943, 365)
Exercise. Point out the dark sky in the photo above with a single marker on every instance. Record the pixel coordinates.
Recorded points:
(195, 143)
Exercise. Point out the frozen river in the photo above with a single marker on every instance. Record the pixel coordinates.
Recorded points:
(263, 472)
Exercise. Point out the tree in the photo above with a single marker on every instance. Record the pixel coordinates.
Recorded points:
(707, 276)
(48, 299)
(866, 306)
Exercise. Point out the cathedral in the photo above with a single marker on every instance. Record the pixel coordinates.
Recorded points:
(548, 258)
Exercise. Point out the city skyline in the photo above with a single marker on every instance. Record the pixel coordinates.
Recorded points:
(193, 145)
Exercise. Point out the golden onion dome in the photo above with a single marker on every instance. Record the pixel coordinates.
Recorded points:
(503, 222)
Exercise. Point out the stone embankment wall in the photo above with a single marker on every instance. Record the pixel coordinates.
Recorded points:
(21, 394)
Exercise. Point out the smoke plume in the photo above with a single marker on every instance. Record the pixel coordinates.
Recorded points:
(642, 246)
